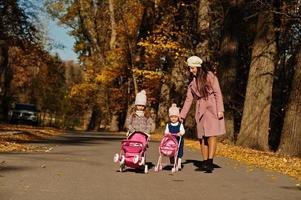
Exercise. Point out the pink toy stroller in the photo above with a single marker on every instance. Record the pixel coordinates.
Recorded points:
(132, 151)
(169, 147)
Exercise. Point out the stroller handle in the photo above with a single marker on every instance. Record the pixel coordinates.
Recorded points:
(131, 133)
(131, 141)
(170, 135)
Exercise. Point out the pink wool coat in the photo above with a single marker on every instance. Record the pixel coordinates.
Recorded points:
(206, 118)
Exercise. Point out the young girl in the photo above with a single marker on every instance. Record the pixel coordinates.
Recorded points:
(176, 128)
(139, 119)
(209, 114)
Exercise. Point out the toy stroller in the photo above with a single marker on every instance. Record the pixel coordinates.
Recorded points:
(132, 151)
(169, 147)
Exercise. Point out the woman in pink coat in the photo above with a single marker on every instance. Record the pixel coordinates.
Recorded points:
(209, 115)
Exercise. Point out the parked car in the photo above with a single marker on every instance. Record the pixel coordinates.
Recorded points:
(24, 114)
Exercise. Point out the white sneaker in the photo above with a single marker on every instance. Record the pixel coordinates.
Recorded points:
(145, 169)
(179, 164)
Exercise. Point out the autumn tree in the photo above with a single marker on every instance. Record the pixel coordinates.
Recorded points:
(163, 45)
(290, 93)
(16, 29)
(105, 44)
(39, 78)
(254, 128)
(291, 134)
(230, 61)
(87, 20)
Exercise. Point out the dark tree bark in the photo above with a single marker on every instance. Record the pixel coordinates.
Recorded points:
(254, 128)
(95, 119)
(291, 131)
(203, 29)
(230, 63)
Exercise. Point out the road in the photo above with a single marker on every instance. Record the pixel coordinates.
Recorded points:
(79, 166)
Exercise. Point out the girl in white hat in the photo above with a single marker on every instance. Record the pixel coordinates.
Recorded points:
(139, 119)
(176, 128)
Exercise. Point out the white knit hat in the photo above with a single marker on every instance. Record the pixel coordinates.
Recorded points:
(141, 98)
(194, 61)
(174, 110)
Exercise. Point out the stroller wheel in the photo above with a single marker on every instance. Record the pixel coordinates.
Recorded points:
(122, 160)
(121, 169)
(145, 169)
(142, 161)
(135, 159)
(116, 157)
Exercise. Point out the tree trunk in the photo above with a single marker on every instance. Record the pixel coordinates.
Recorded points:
(291, 131)
(203, 29)
(230, 62)
(95, 119)
(114, 125)
(3, 56)
(254, 128)
(135, 83)
(128, 42)
(162, 115)
(5, 78)
(113, 24)
(88, 32)
(171, 90)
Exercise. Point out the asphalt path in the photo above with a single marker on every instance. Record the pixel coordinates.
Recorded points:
(79, 166)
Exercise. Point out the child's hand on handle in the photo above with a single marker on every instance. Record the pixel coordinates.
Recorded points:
(220, 115)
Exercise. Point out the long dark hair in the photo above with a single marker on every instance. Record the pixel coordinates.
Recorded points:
(201, 79)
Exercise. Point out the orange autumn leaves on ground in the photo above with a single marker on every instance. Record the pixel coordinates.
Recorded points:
(272, 161)
(14, 137)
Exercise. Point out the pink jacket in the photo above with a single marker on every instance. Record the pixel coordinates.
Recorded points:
(206, 118)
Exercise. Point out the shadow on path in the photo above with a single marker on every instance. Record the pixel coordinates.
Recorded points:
(291, 188)
(6, 168)
(198, 164)
(76, 139)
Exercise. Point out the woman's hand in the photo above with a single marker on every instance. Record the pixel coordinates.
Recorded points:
(220, 115)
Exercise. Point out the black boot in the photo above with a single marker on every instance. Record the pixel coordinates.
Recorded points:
(209, 165)
(204, 166)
